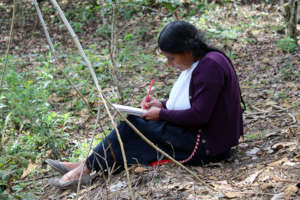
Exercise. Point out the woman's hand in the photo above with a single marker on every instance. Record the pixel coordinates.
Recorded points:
(152, 114)
(153, 102)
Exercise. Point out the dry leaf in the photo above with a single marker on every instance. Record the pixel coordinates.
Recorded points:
(281, 145)
(253, 151)
(266, 60)
(140, 170)
(278, 162)
(251, 178)
(278, 196)
(54, 99)
(29, 169)
(231, 195)
(117, 186)
(290, 190)
(270, 103)
(267, 186)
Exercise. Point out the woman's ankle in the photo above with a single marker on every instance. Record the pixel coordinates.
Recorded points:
(71, 165)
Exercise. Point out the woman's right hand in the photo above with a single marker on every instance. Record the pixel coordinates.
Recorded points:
(152, 102)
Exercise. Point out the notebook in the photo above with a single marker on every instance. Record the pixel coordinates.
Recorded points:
(130, 110)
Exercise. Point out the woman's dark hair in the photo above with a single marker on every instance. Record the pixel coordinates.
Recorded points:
(181, 36)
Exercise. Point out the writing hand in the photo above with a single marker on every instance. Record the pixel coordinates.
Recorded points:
(152, 114)
(153, 102)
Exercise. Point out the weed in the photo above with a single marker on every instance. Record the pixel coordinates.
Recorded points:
(287, 44)
(28, 127)
(288, 72)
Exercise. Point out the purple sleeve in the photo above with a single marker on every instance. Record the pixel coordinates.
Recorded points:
(164, 102)
(207, 82)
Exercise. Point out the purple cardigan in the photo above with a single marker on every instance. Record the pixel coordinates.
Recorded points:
(215, 104)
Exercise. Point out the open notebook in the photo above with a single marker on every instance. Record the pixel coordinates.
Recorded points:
(130, 110)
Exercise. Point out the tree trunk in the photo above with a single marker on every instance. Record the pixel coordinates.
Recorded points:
(291, 10)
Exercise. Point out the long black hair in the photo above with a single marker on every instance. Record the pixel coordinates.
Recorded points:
(181, 36)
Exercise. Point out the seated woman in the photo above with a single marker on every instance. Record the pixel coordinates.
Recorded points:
(204, 102)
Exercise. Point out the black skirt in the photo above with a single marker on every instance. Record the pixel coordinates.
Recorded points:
(175, 140)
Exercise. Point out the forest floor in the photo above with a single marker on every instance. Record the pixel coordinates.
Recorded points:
(266, 163)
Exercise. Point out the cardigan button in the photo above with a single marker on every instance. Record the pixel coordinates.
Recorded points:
(203, 141)
(207, 152)
(190, 97)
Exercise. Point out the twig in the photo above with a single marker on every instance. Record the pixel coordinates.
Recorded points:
(270, 112)
(34, 179)
(6, 56)
(90, 148)
(75, 38)
(285, 180)
(55, 54)
(293, 117)
(8, 46)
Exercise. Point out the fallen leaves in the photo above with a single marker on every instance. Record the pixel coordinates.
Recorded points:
(30, 168)
(140, 170)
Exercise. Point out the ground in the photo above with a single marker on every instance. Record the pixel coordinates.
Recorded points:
(266, 163)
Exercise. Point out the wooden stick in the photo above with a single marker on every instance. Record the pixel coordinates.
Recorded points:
(8, 46)
(285, 180)
(6, 59)
(55, 54)
(90, 147)
(75, 38)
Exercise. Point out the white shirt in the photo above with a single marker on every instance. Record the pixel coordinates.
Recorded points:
(179, 96)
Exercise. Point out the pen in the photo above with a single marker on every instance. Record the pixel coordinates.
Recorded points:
(149, 91)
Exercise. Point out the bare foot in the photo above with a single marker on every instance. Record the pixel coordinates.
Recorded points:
(75, 173)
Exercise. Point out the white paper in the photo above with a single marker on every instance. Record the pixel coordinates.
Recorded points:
(130, 110)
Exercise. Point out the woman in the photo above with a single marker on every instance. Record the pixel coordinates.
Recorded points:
(204, 102)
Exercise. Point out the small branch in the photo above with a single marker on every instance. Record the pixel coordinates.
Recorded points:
(55, 55)
(75, 38)
(6, 58)
(293, 118)
(34, 179)
(8, 46)
(285, 180)
(90, 147)
(270, 112)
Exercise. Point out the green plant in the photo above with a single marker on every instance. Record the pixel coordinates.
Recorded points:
(287, 44)
(288, 72)
(29, 128)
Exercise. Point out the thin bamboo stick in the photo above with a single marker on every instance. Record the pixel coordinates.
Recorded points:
(75, 38)
(55, 54)
(6, 59)
(8, 46)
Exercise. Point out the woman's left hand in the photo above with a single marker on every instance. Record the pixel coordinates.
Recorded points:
(152, 114)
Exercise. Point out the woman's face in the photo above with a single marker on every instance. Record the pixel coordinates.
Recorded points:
(181, 61)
